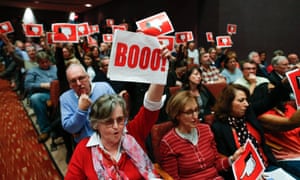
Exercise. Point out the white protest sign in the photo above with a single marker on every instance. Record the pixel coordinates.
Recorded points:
(136, 57)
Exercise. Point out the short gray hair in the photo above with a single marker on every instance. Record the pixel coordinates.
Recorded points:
(42, 55)
(277, 59)
(251, 54)
(103, 107)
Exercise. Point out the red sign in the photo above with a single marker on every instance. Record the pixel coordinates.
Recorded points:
(294, 80)
(224, 41)
(33, 30)
(231, 28)
(168, 41)
(156, 25)
(94, 29)
(183, 37)
(83, 29)
(119, 27)
(110, 22)
(209, 37)
(65, 32)
(107, 37)
(248, 166)
(6, 27)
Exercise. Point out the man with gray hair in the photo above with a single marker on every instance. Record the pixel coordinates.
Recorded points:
(277, 76)
(76, 102)
(261, 69)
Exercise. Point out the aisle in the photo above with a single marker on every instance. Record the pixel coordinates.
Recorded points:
(21, 156)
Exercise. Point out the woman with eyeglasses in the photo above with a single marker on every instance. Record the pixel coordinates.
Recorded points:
(188, 151)
(116, 149)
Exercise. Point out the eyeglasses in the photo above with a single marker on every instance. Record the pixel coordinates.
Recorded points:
(120, 121)
(80, 79)
(191, 112)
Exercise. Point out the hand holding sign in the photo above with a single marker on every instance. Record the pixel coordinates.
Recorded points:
(6, 27)
(65, 32)
(137, 57)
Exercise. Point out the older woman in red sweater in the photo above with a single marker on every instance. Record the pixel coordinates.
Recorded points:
(188, 151)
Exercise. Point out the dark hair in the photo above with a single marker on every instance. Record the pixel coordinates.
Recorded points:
(223, 106)
(186, 81)
(246, 61)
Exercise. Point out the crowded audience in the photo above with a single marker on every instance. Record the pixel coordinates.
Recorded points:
(110, 140)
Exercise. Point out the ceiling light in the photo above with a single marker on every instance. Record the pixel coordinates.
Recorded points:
(28, 16)
(88, 5)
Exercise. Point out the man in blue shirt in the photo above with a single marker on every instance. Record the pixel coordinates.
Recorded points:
(37, 84)
(75, 103)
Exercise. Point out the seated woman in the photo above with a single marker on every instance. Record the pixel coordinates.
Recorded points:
(193, 83)
(188, 151)
(235, 122)
(113, 150)
(116, 149)
(231, 69)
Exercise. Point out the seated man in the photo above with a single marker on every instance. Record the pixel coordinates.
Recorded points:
(210, 74)
(277, 76)
(75, 103)
(37, 83)
(262, 92)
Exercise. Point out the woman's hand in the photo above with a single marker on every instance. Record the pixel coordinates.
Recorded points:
(237, 154)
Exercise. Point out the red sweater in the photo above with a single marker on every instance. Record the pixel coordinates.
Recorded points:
(183, 160)
(81, 164)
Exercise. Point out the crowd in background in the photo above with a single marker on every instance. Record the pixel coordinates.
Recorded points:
(31, 64)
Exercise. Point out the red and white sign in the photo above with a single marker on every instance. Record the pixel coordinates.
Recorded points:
(156, 25)
(107, 38)
(294, 80)
(33, 30)
(136, 57)
(209, 37)
(110, 22)
(224, 41)
(6, 27)
(119, 27)
(65, 32)
(168, 41)
(124, 24)
(231, 29)
(83, 29)
(49, 37)
(249, 165)
(183, 37)
(94, 29)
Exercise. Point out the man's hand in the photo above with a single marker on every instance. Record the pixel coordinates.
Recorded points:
(84, 102)
(45, 85)
(252, 78)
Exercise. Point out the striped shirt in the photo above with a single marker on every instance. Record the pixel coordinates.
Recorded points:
(183, 160)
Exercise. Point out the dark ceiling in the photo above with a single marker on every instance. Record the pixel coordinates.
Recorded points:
(77, 6)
